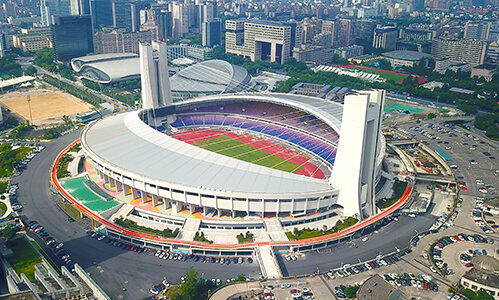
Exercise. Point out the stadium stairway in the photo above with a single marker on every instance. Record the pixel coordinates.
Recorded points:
(191, 226)
(268, 263)
(274, 229)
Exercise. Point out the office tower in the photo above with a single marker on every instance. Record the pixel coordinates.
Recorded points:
(363, 30)
(212, 33)
(164, 21)
(49, 8)
(154, 77)
(180, 16)
(102, 13)
(79, 7)
(476, 30)
(72, 36)
(207, 11)
(464, 51)
(125, 15)
(258, 40)
(385, 37)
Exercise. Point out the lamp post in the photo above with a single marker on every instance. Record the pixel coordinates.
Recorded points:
(29, 106)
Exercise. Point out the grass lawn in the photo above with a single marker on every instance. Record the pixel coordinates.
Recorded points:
(3, 208)
(307, 233)
(46, 256)
(387, 76)
(24, 259)
(3, 186)
(70, 210)
(233, 148)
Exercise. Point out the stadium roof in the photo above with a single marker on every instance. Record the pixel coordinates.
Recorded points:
(211, 77)
(108, 68)
(158, 157)
(406, 55)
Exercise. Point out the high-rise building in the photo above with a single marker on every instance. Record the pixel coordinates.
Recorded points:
(180, 16)
(154, 77)
(464, 51)
(121, 41)
(476, 30)
(207, 11)
(211, 33)
(385, 37)
(72, 36)
(414, 34)
(49, 8)
(164, 21)
(102, 13)
(126, 15)
(363, 30)
(79, 7)
(258, 40)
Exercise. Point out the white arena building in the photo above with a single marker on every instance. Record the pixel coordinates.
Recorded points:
(321, 158)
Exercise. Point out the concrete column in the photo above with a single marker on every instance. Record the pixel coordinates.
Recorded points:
(112, 182)
(144, 196)
(155, 200)
(205, 210)
(174, 207)
(166, 203)
(101, 175)
(233, 214)
(119, 186)
(135, 195)
(106, 179)
(219, 212)
(273, 48)
(126, 190)
(191, 208)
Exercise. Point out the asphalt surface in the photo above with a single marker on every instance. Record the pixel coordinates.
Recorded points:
(388, 239)
(112, 268)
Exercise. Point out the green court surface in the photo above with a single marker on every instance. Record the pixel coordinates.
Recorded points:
(233, 148)
(76, 187)
(391, 106)
(385, 75)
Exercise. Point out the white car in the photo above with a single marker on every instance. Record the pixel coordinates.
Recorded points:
(365, 239)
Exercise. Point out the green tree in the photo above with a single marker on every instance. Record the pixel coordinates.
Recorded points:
(431, 115)
(351, 291)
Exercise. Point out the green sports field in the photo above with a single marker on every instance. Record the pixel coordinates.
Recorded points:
(233, 148)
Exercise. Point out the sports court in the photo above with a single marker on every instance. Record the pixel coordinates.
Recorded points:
(252, 149)
(392, 106)
(77, 188)
(45, 104)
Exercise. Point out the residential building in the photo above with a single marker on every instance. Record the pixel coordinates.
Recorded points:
(258, 40)
(49, 8)
(121, 41)
(349, 51)
(385, 37)
(465, 51)
(493, 53)
(414, 34)
(72, 36)
(486, 71)
(180, 16)
(31, 42)
(164, 21)
(211, 33)
(313, 54)
(476, 30)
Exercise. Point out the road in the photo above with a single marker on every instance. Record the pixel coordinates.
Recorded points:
(112, 268)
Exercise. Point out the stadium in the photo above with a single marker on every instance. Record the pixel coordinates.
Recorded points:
(226, 163)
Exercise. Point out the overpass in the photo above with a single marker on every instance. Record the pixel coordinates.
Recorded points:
(435, 178)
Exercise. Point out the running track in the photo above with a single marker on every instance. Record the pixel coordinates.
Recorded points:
(308, 168)
(55, 183)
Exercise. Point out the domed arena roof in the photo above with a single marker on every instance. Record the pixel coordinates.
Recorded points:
(210, 77)
(485, 263)
(107, 68)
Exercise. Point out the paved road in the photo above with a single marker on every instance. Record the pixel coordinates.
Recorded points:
(388, 239)
(111, 267)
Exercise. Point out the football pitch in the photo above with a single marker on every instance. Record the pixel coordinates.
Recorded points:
(233, 148)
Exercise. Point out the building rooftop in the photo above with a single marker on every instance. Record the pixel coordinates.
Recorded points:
(406, 55)
(376, 288)
(486, 278)
(107, 68)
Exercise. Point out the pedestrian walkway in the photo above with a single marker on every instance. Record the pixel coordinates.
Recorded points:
(191, 226)
(268, 264)
(275, 230)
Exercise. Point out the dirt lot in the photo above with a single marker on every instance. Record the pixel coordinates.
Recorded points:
(47, 107)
